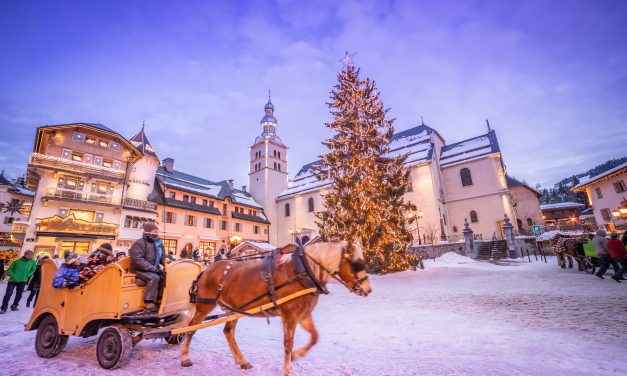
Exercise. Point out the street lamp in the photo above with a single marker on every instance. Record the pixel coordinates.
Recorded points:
(416, 216)
(294, 233)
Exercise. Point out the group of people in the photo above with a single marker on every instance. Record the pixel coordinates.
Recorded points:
(611, 252)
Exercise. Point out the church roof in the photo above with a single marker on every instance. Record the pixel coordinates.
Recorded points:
(140, 141)
(471, 148)
(3, 180)
(513, 182)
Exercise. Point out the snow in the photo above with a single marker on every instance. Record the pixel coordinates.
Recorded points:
(560, 205)
(453, 258)
(211, 190)
(592, 179)
(551, 234)
(246, 200)
(448, 319)
(464, 150)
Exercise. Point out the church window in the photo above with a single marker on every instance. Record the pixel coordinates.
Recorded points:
(473, 216)
(466, 177)
(275, 165)
(287, 210)
(279, 155)
(310, 203)
(529, 222)
(520, 223)
(279, 165)
(274, 153)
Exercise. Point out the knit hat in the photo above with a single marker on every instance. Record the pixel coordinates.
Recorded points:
(150, 226)
(106, 248)
(614, 235)
(70, 257)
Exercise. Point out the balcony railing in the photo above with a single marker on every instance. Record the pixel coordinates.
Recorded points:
(38, 159)
(140, 204)
(19, 227)
(74, 195)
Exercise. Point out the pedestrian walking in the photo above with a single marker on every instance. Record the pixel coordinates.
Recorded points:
(624, 238)
(20, 271)
(35, 284)
(2, 265)
(619, 255)
(600, 246)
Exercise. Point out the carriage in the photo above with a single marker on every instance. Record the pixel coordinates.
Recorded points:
(109, 301)
(578, 248)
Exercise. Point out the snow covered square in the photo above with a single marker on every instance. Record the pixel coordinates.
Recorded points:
(455, 317)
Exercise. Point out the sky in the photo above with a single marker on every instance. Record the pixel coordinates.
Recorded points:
(551, 76)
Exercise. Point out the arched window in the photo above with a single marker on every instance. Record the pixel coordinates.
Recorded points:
(466, 178)
(279, 166)
(305, 239)
(279, 155)
(275, 165)
(529, 222)
(519, 222)
(287, 210)
(473, 216)
(310, 203)
(274, 153)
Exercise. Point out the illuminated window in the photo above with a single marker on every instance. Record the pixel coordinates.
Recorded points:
(466, 177)
(169, 217)
(107, 163)
(84, 215)
(207, 249)
(103, 144)
(190, 220)
(473, 217)
(169, 245)
(90, 140)
(78, 157)
(77, 247)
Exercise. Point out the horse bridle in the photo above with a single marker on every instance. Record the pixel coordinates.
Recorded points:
(355, 266)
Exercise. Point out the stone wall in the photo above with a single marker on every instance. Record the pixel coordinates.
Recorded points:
(437, 250)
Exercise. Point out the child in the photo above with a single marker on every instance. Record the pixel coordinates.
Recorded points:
(96, 262)
(67, 275)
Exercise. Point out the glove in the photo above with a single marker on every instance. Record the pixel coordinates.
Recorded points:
(161, 273)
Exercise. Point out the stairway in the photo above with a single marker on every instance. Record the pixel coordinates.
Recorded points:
(493, 250)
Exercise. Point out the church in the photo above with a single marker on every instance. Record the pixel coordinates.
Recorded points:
(450, 183)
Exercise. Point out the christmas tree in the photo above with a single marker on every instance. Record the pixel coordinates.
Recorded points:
(365, 204)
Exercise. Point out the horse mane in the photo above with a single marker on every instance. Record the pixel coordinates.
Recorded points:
(317, 251)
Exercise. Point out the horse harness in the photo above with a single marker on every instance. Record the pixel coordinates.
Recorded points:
(303, 274)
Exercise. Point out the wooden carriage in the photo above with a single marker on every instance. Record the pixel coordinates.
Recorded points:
(110, 300)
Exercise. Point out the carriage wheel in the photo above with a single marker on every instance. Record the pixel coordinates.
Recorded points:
(588, 265)
(48, 342)
(114, 347)
(174, 339)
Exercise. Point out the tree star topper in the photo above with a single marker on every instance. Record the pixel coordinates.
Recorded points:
(347, 60)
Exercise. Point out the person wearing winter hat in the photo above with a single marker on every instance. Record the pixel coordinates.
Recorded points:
(19, 273)
(146, 262)
(68, 273)
(619, 256)
(96, 262)
(600, 246)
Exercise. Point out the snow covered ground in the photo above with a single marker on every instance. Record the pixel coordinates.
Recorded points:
(452, 318)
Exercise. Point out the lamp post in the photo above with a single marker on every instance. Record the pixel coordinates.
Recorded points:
(294, 233)
(416, 216)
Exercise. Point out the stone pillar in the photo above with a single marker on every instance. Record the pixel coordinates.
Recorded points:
(469, 240)
(508, 229)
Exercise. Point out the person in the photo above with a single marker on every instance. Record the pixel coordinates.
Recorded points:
(35, 284)
(19, 273)
(2, 265)
(624, 239)
(119, 256)
(96, 262)
(68, 273)
(600, 246)
(619, 255)
(146, 261)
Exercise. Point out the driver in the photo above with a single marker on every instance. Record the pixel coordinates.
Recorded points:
(147, 260)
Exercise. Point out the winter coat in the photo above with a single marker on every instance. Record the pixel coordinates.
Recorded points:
(600, 244)
(35, 282)
(616, 248)
(67, 276)
(624, 238)
(143, 255)
(21, 269)
(96, 262)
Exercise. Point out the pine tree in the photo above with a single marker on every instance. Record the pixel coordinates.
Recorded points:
(365, 204)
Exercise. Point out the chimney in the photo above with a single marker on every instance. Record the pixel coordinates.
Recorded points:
(230, 181)
(168, 164)
(244, 188)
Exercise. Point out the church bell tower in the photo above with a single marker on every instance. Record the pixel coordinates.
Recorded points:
(268, 169)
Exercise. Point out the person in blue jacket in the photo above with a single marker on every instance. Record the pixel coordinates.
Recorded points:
(68, 273)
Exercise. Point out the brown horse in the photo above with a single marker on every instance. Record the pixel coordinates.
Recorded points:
(234, 284)
(566, 249)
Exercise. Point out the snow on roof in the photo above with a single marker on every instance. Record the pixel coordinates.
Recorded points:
(591, 180)
(243, 199)
(468, 149)
(551, 234)
(210, 190)
(264, 246)
(560, 205)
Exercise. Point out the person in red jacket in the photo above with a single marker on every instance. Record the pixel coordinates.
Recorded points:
(618, 254)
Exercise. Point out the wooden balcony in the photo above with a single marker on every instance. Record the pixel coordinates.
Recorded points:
(140, 205)
(89, 169)
(73, 195)
(19, 227)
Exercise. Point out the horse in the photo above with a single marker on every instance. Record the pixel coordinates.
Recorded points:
(567, 248)
(235, 285)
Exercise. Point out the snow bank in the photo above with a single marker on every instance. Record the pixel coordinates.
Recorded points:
(453, 258)
(551, 234)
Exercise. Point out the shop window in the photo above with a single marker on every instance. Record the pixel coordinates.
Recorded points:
(77, 247)
(169, 245)
(207, 249)
(466, 177)
(84, 215)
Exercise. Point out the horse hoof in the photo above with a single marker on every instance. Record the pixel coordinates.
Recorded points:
(297, 355)
(246, 365)
(186, 363)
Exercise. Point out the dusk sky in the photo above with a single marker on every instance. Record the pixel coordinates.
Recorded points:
(551, 76)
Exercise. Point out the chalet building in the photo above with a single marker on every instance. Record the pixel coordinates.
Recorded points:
(196, 213)
(79, 173)
(526, 203)
(607, 195)
(15, 205)
(449, 183)
(565, 213)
